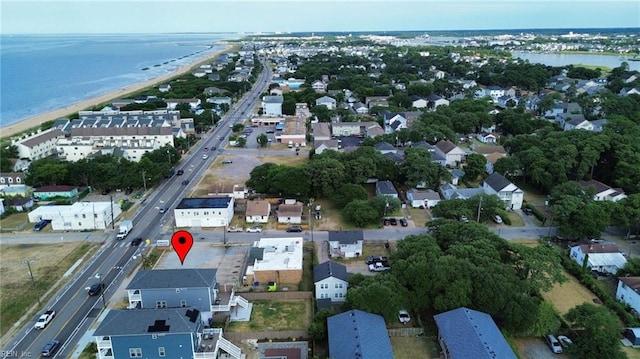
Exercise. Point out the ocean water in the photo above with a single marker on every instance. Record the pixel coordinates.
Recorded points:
(44, 73)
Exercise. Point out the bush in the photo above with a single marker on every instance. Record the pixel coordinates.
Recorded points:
(539, 215)
(505, 216)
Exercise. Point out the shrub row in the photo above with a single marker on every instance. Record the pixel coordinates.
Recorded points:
(621, 309)
(539, 215)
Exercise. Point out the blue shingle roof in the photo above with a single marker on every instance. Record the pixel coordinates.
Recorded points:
(330, 269)
(358, 334)
(468, 333)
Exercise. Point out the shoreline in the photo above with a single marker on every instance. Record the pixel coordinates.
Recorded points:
(36, 121)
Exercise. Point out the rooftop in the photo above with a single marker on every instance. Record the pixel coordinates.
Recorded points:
(173, 278)
(212, 202)
(330, 269)
(358, 334)
(279, 254)
(145, 321)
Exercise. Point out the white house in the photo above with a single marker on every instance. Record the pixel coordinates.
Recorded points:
(272, 105)
(486, 137)
(509, 193)
(331, 281)
(321, 131)
(193, 102)
(11, 179)
(327, 101)
(603, 192)
(290, 212)
(600, 257)
(433, 101)
(424, 199)
(319, 86)
(345, 244)
(78, 216)
(629, 291)
(39, 145)
(578, 124)
(164, 88)
(418, 102)
(204, 212)
(453, 154)
(258, 211)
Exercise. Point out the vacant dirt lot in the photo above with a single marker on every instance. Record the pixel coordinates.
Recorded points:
(568, 295)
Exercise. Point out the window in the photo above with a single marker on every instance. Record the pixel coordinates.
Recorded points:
(183, 303)
(135, 352)
(154, 336)
(161, 351)
(335, 295)
(84, 215)
(161, 304)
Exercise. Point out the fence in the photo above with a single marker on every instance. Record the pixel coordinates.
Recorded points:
(405, 332)
(285, 334)
(275, 295)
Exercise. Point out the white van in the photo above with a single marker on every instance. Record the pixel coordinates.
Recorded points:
(554, 344)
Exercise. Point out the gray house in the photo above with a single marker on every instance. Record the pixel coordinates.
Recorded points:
(386, 188)
(159, 333)
(173, 288)
(345, 244)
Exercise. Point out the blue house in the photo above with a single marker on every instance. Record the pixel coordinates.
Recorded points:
(173, 288)
(159, 333)
(46, 192)
(465, 333)
(357, 334)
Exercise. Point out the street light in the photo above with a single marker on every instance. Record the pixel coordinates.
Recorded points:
(102, 289)
(310, 222)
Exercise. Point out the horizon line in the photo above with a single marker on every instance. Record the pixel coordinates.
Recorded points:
(318, 31)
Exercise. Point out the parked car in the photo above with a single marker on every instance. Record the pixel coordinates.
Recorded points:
(497, 219)
(403, 222)
(375, 258)
(464, 219)
(180, 172)
(204, 157)
(50, 348)
(206, 149)
(226, 162)
(403, 316)
(254, 229)
(128, 191)
(386, 222)
(40, 225)
(106, 190)
(295, 229)
(393, 221)
(527, 211)
(565, 341)
(162, 209)
(185, 182)
(553, 343)
(136, 241)
(234, 229)
(95, 289)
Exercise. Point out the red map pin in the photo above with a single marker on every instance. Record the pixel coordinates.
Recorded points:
(182, 241)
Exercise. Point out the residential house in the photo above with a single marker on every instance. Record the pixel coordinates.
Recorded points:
(11, 178)
(598, 125)
(630, 77)
(174, 288)
(495, 92)
(326, 101)
(456, 176)
(453, 154)
(80, 216)
(485, 137)
(433, 101)
(466, 333)
(507, 101)
(290, 212)
(359, 129)
(377, 101)
(450, 191)
(358, 335)
(320, 131)
(212, 90)
(39, 145)
(360, 108)
(272, 105)
(204, 212)
(628, 292)
(386, 188)
(258, 211)
(492, 154)
(19, 190)
(192, 102)
(418, 102)
(629, 91)
(319, 86)
(321, 146)
(48, 192)
(422, 198)
(330, 280)
(345, 244)
(276, 91)
(2, 208)
(275, 260)
(385, 147)
(164, 88)
(602, 192)
(159, 333)
(20, 204)
(214, 77)
(603, 258)
(220, 100)
(510, 194)
(237, 191)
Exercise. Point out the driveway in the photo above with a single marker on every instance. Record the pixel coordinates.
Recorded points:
(535, 348)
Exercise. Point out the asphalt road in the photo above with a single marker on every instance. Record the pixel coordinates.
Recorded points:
(75, 309)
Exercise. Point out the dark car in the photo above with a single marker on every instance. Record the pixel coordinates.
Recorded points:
(294, 229)
(128, 191)
(393, 221)
(386, 222)
(50, 348)
(226, 162)
(376, 258)
(40, 225)
(527, 211)
(95, 289)
(180, 172)
(185, 182)
(106, 190)
(136, 241)
(403, 222)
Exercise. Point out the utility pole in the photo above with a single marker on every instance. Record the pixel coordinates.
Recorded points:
(33, 281)
(479, 209)
(144, 180)
(113, 225)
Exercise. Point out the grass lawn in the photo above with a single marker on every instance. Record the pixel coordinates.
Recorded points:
(568, 295)
(516, 221)
(15, 220)
(307, 270)
(368, 249)
(276, 315)
(413, 347)
(419, 216)
(48, 263)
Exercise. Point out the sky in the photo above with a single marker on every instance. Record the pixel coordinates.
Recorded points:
(162, 16)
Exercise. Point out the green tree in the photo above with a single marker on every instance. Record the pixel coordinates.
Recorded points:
(47, 171)
(575, 212)
(476, 166)
(381, 294)
(347, 193)
(262, 140)
(631, 268)
(507, 166)
(600, 338)
(261, 178)
(384, 205)
(360, 213)
(327, 175)
(237, 128)
(418, 169)
(241, 142)
(6, 154)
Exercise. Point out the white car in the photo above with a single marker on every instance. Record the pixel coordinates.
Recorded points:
(553, 344)
(565, 341)
(204, 157)
(497, 219)
(403, 316)
(254, 229)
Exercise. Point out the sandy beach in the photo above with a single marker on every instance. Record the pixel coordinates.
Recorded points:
(36, 121)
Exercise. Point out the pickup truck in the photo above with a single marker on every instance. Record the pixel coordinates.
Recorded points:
(45, 319)
(378, 267)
